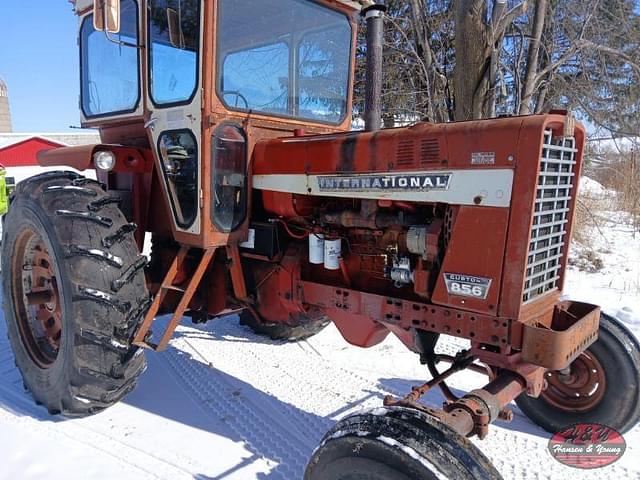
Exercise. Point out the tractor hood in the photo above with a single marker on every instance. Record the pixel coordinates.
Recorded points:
(476, 145)
(463, 163)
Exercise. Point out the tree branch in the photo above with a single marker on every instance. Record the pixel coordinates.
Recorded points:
(615, 52)
(508, 18)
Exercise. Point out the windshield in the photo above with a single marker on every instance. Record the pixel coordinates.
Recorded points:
(289, 58)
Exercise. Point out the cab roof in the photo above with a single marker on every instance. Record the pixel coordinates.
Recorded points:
(83, 5)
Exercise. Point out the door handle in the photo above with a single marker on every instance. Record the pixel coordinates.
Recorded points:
(151, 123)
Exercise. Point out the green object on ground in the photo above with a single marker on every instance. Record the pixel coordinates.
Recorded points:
(6, 187)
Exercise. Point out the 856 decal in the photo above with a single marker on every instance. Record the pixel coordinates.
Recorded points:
(467, 285)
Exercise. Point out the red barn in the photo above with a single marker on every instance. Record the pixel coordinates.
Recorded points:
(22, 153)
(20, 149)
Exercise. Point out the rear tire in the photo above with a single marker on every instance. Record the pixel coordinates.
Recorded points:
(615, 396)
(298, 327)
(74, 293)
(396, 444)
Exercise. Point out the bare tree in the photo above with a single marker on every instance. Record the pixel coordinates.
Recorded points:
(467, 59)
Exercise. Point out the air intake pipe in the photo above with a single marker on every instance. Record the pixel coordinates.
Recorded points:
(373, 13)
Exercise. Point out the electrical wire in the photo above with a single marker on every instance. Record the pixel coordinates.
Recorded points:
(290, 233)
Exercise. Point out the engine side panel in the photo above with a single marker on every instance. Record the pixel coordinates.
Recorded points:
(471, 274)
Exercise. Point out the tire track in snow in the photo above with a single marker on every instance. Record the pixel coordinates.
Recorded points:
(144, 462)
(35, 418)
(245, 418)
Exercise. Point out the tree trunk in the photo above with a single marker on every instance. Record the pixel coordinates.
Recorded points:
(531, 80)
(471, 82)
(423, 50)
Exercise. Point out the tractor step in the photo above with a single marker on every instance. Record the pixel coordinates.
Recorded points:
(167, 285)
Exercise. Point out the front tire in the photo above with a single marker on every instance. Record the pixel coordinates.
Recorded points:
(601, 386)
(396, 444)
(74, 293)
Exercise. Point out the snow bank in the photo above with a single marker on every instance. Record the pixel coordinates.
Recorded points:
(592, 188)
(607, 273)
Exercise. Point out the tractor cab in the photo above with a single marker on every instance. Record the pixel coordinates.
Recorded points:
(200, 82)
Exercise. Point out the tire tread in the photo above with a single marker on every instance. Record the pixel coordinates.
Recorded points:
(105, 364)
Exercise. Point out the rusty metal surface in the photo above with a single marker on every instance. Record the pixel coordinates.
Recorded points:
(578, 388)
(37, 299)
(407, 314)
(574, 327)
(512, 361)
(461, 362)
(474, 223)
(188, 293)
(469, 416)
(472, 414)
(527, 158)
(128, 159)
(237, 275)
(539, 311)
(141, 335)
(487, 404)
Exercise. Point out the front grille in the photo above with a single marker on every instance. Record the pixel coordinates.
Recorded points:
(551, 216)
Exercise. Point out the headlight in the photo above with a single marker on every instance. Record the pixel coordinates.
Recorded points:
(104, 160)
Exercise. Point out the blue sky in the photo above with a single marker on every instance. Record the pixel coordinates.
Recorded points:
(39, 63)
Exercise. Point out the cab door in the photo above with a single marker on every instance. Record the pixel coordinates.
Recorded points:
(174, 103)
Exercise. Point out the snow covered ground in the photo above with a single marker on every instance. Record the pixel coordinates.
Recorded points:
(222, 403)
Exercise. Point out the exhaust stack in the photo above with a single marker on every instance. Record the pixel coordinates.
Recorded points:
(374, 16)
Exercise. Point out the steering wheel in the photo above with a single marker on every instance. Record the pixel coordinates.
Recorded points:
(238, 96)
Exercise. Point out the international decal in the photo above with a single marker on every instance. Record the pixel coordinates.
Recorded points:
(384, 182)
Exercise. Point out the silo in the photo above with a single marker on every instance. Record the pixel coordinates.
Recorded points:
(5, 112)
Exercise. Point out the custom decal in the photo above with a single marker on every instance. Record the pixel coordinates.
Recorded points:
(467, 285)
(483, 158)
(386, 183)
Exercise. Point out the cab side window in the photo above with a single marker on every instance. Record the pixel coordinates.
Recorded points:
(179, 159)
(174, 43)
(110, 81)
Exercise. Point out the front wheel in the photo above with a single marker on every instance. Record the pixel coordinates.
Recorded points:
(396, 444)
(601, 386)
(74, 293)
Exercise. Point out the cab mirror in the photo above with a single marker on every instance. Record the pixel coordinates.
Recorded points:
(106, 15)
(176, 37)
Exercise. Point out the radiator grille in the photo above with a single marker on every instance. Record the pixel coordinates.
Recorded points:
(551, 216)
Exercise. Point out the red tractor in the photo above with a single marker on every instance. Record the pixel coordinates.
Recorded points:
(225, 128)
